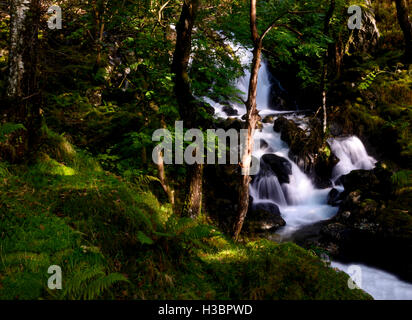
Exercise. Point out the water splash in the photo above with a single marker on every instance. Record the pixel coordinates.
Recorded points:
(352, 155)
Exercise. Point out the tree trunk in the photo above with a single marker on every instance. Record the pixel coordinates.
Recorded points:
(193, 203)
(162, 175)
(18, 15)
(251, 121)
(324, 77)
(186, 101)
(22, 91)
(98, 32)
(406, 26)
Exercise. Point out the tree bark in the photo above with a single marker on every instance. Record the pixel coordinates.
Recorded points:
(22, 91)
(252, 114)
(162, 174)
(186, 101)
(162, 177)
(251, 121)
(406, 26)
(18, 15)
(324, 77)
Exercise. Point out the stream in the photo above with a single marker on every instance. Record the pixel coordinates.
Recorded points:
(300, 203)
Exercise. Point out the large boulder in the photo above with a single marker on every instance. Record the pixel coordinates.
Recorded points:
(264, 216)
(229, 110)
(369, 182)
(309, 151)
(366, 38)
(324, 162)
(281, 167)
(289, 131)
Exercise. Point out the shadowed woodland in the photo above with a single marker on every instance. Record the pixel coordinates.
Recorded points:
(79, 105)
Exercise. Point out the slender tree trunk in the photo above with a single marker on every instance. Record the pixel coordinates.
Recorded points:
(22, 90)
(251, 121)
(18, 15)
(185, 99)
(98, 14)
(406, 26)
(324, 77)
(162, 175)
(252, 114)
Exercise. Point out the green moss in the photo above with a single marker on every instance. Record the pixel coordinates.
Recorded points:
(101, 230)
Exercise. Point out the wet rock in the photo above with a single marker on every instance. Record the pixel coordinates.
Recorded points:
(264, 217)
(268, 119)
(334, 231)
(281, 167)
(376, 181)
(324, 162)
(335, 129)
(333, 197)
(289, 131)
(366, 38)
(309, 152)
(231, 123)
(230, 111)
(263, 144)
(369, 227)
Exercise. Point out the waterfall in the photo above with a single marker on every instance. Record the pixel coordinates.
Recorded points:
(267, 187)
(352, 155)
(300, 203)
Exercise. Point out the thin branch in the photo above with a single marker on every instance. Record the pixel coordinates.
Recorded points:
(274, 22)
(279, 25)
(159, 14)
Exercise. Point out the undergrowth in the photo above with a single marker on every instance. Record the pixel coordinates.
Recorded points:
(113, 239)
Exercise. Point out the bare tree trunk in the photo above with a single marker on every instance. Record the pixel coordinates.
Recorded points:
(18, 14)
(324, 77)
(162, 177)
(251, 121)
(193, 204)
(22, 90)
(185, 99)
(406, 26)
(251, 110)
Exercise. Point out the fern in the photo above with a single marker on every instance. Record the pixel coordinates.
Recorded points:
(144, 180)
(98, 286)
(90, 283)
(4, 172)
(402, 178)
(8, 128)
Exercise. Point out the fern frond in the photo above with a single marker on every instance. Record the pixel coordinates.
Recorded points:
(8, 128)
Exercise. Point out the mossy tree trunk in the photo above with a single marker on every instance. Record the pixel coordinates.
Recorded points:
(186, 101)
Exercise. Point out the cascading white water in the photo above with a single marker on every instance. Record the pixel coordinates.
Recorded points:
(352, 155)
(300, 203)
(380, 284)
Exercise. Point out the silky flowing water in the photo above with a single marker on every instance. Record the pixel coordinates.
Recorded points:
(300, 202)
